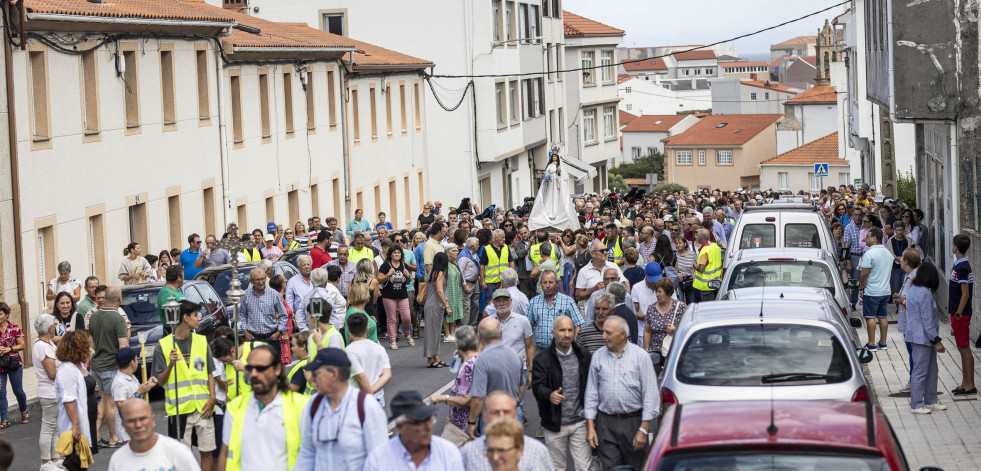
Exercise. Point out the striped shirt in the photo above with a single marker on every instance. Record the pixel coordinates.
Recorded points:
(646, 249)
(853, 237)
(622, 384)
(541, 315)
(590, 338)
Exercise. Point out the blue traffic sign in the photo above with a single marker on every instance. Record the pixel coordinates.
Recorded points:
(821, 170)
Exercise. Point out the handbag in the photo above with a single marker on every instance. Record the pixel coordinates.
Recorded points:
(10, 362)
(666, 344)
(454, 434)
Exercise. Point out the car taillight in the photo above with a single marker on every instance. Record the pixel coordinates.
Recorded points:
(861, 394)
(667, 397)
(844, 312)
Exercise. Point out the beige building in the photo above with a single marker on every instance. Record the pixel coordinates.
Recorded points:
(721, 151)
(794, 170)
(751, 70)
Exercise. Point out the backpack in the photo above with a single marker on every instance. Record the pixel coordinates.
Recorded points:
(320, 398)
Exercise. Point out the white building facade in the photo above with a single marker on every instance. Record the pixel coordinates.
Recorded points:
(739, 96)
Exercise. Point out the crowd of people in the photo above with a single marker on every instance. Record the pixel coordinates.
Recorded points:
(582, 319)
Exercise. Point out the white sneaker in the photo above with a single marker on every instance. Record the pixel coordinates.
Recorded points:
(906, 388)
(921, 411)
(936, 407)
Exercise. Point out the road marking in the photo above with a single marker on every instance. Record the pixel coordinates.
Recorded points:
(391, 425)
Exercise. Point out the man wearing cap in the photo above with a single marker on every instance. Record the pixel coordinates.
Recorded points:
(262, 429)
(125, 385)
(269, 250)
(415, 447)
(340, 425)
(516, 333)
(642, 293)
(318, 254)
(277, 232)
(500, 404)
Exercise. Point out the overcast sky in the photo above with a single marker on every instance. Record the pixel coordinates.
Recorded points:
(674, 22)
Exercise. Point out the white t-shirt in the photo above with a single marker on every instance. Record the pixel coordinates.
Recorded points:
(264, 445)
(69, 287)
(219, 373)
(124, 386)
(589, 276)
(371, 358)
(166, 455)
(45, 385)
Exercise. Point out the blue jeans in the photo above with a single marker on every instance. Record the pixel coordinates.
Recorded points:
(896, 278)
(16, 381)
(909, 349)
(854, 274)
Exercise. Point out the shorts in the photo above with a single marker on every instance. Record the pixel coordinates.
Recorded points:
(196, 431)
(103, 379)
(875, 306)
(962, 330)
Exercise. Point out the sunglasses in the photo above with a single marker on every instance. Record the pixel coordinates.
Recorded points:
(260, 369)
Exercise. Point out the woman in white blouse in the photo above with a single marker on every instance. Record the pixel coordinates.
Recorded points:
(70, 385)
(64, 282)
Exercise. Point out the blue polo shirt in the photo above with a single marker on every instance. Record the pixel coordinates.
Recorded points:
(187, 259)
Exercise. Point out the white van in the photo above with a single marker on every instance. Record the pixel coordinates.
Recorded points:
(780, 226)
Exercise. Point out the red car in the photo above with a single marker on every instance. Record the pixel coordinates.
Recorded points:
(775, 435)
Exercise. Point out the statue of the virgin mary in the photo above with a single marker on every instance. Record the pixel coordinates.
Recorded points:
(553, 206)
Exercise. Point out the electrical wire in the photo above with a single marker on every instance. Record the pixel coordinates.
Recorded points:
(440, 101)
(595, 67)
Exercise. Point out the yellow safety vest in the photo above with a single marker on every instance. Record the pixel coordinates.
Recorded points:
(313, 348)
(298, 369)
(253, 254)
(239, 385)
(191, 380)
(495, 265)
(293, 404)
(617, 252)
(535, 254)
(713, 270)
(293, 246)
(356, 255)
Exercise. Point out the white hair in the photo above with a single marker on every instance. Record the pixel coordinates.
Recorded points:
(43, 323)
(265, 265)
(621, 323)
(318, 277)
(303, 258)
(472, 242)
(509, 278)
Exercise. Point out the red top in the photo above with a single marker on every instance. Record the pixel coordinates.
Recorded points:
(320, 257)
(8, 339)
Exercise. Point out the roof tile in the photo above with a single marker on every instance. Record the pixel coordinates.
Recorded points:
(818, 94)
(186, 10)
(768, 85)
(640, 65)
(578, 27)
(821, 150)
(626, 118)
(695, 55)
(280, 35)
(709, 132)
(653, 123)
(799, 40)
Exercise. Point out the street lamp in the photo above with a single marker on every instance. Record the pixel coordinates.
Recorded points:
(172, 314)
(316, 306)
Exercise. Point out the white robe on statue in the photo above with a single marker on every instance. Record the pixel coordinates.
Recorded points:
(553, 205)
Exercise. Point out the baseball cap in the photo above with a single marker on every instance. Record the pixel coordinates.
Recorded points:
(329, 357)
(271, 227)
(409, 403)
(501, 293)
(270, 237)
(126, 354)
(653, 272)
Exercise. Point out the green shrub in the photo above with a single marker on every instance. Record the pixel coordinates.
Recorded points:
(653, 163)
(671, 187)
(616, 183)
(906, 188)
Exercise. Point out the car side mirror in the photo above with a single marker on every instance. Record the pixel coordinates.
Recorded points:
(715, 284)
(853, 284)
(855, 322)
(864, 355)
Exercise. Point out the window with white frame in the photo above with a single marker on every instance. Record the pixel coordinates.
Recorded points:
(514, 102)
(606, 60)
(635, 151)
(844, 178)
(783, 180)
(589, 125)
(766, 95)
(723, 157)
(687, 72)
(609, 122)
(499, 97)
(814, 181)
(709, 71)
(496, 8)
(588, 74)
(682, 157)
(629, 107)
(626, 90)
(539, 96)
(334, 23)
(701, 157)
(651, 150)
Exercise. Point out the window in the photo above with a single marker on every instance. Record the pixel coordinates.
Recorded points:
(510, 24)
(626, 89)
(97, 245)
(784, 180)
(561, 113)
(388, 109)
(242, 213)
(814, 181)
(334, 23)
(46, 254)
(131, 89)
(418, 104)
(588, 74)
(723, 157)
(752, 96)
(710, 71)
(687, 72)
(758, 236)
(208, 198)
(514, 101)
(558, 62)
(548, 61)
(499, 100)
(393, 204)
(167, 88)
(355, 121)
(372, 112)
(606, 60)
(609, 122)
(589, 125)
(311, 103)
(90, 92)
(315, 198)
(236, 91)
(766, 95)
(551, 125)
(335, 186)
(635, 151)
(331, 97)
(629, 107)
(534, 98)
(271, 208)
(844, 178)
(803, 236)
(556, 9)
(496, 8)
(138, 222)
(204, 94)
(293, 205)
(534, 24)
(402, 106)
(682, 157)
(651, 150)
(264, 103)
(174, 219)
(288, 100)
(701, 157)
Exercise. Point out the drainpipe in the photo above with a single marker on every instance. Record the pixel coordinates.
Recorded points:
(226, 202)
(25, 313)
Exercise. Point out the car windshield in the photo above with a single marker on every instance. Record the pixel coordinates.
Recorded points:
(780, 273)
(764, 461)
(754, 355)
(224, 280)
(141, 306)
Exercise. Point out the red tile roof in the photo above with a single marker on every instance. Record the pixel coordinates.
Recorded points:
(640, 65)
(813, 60)
(635, 181)
(776, 63)
(695, 55)
(799, 40)
(738, 130)
(653, 123)
(626, 118)
(725, 65)
(280, 35)
(379, 57)
(818, 94)
(779, 87)
(819, 151)
(186, 10)
(579, 27)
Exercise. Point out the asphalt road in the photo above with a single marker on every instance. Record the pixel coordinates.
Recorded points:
(408, 372)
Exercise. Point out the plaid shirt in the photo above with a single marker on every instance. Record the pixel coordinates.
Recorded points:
(852, 236)
(541, 315)
(646, 249)
(259, 313)
(347, 274)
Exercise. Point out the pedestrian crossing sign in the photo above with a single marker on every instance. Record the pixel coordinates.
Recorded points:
(821, 170)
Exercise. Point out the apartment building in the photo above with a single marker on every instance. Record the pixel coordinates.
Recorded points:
(794, 170)
(752, 70)
(799, 46)
(645, 135)
(740, 96)
(643, 95)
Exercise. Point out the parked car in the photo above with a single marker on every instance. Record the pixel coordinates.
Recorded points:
(797, 293)
(139, 302)
(291, 256)
(752, 350)
(780, 226)
(811, 268)
(220, 277)
(776, 435)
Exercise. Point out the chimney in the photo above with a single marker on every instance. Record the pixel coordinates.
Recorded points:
(752, 77)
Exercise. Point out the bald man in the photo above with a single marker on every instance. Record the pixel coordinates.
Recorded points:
(500, 404)
(262, 311)
(147, 449)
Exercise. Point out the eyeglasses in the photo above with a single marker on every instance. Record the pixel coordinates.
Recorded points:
(260, 369)
(197, 241)
(498, 451)
(289, 233)
(397, 241)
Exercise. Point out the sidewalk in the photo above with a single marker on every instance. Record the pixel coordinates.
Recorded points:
(949, 439)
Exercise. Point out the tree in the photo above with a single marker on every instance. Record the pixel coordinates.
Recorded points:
(671, 187)
(616, 183)
(653, 163)
(906, 188)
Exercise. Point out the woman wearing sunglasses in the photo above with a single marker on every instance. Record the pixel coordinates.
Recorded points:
(289, 241)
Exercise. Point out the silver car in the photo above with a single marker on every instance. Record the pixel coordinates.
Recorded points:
(748, 350)
(811, 268)
(797, 293)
